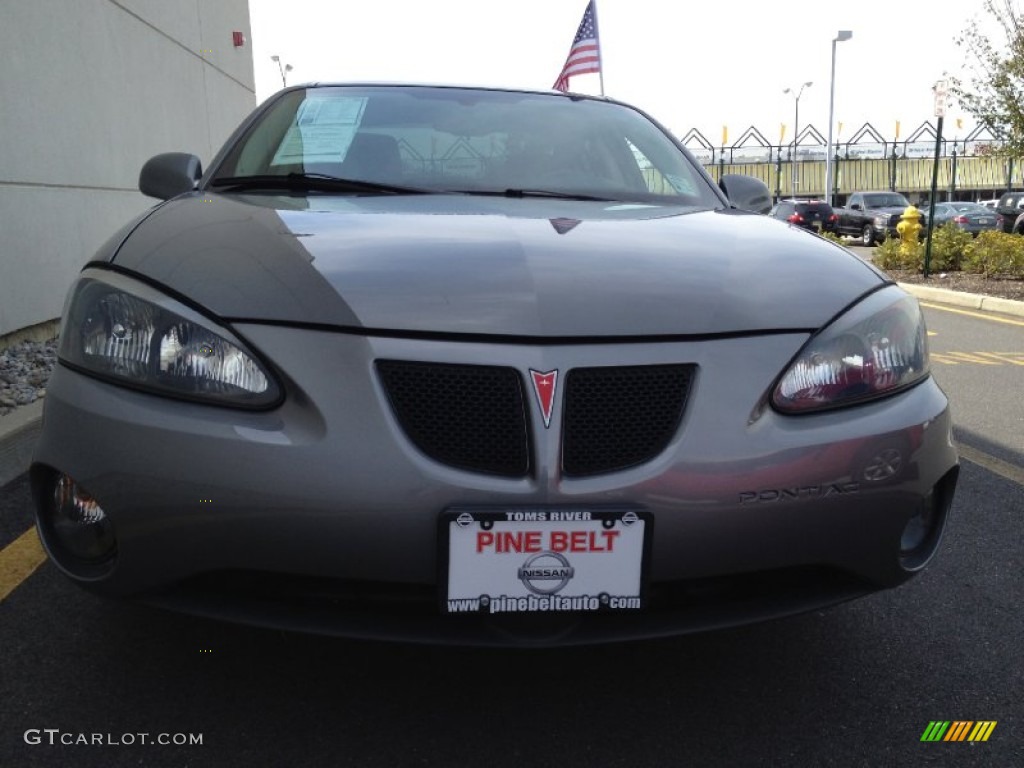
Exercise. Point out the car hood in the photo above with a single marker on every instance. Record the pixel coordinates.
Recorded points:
(454, 264)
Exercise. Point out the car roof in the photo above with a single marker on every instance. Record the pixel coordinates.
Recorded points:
(451, 86)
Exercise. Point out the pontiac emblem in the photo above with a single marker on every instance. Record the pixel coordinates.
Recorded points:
(544, 385)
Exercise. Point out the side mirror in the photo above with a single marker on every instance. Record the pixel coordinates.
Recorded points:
(170, 174)
(855, 207)
(746, 192)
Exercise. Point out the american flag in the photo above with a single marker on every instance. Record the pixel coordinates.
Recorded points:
(585, 54)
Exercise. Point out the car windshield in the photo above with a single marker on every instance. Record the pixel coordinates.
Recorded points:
(885, 201)
(456, 140)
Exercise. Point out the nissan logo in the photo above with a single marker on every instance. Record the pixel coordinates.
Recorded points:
(551, 569)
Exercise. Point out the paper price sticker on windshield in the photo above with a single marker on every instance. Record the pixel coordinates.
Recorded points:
(322, 132)
(544, 560)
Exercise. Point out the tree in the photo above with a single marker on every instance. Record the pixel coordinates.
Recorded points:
(994, 93)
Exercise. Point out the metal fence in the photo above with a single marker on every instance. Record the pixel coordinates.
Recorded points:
(968, 168)
(958, 178)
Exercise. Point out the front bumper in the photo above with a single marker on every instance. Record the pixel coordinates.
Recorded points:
(322, 515)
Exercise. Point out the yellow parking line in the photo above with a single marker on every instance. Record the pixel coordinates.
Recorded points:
(967, 357)
(978, 358)
(1011, 472)
(19, 560)
(1006, 357)
(979, 315)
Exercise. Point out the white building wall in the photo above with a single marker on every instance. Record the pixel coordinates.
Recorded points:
(89, 90)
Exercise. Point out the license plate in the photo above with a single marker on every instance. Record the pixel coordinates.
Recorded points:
(817, 225)
(543, 560)
(983, 221)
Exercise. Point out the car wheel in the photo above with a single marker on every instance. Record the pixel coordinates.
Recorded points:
(867, 236)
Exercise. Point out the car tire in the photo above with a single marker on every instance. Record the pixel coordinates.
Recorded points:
(867, 236)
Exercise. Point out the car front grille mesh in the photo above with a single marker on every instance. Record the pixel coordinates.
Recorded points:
(474, 417)
(618, 417)
(466, 416)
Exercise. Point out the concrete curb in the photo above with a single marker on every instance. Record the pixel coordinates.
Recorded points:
(39, 332)
(967, 300)
(20, 429)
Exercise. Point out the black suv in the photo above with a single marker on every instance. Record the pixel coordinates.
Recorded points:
(1010, 206)
(815, 215)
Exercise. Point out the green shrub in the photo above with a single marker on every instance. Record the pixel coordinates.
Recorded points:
(832, 237)
(996, 254)
(949, 244)
(888, 255)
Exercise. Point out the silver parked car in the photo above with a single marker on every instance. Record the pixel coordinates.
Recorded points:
(483, 366)
(970, 217)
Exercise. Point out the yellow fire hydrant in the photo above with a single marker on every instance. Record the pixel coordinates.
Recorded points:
(909, 230)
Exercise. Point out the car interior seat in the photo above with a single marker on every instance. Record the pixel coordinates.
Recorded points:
(373, 157)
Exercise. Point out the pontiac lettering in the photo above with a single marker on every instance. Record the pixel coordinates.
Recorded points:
(802, 492)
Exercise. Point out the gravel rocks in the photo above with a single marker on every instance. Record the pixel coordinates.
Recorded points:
(24, 370)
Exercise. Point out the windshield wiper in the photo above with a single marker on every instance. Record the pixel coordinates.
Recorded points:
(532, 193)
(320, 182)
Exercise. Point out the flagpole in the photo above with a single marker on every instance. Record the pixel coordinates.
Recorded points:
(600, 49)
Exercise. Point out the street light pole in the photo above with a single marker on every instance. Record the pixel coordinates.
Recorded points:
(843, 34)
(283, 70)
(796, 128)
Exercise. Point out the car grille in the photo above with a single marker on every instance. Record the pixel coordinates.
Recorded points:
(473, 417)
(467, 416)
(618, 417)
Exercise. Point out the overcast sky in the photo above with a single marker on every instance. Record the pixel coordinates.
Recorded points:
(691, 65)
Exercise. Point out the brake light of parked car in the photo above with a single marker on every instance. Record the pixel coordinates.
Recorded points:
(796, 218)
(961, 220)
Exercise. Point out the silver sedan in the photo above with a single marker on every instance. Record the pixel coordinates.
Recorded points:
(970, 217)
(483, 366)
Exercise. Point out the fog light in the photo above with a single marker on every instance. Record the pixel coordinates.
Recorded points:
(920, 526)
(79, 524)
(923, 530)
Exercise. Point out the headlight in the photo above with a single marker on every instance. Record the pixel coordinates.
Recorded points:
(121, 329)
(881, 222)
(877, 348)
